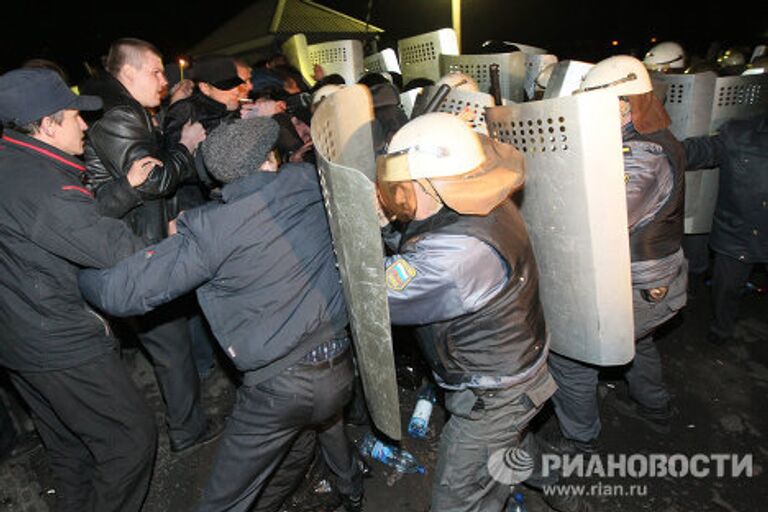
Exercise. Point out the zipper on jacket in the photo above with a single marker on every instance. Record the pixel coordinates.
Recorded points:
(103, 321)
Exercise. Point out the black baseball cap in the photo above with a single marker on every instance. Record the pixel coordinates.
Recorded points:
(30, 94)
(217, 71)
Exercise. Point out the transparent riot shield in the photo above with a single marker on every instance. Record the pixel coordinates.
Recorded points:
(688, 101)
(296, 51)
(341, 130)
(511, 71)
(383, 61)
(470, 106)
(574, 206)
(420, 55)
(344, 57)
(533, 66)
(566, 78)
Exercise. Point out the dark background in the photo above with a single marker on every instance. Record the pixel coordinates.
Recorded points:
(72, 32)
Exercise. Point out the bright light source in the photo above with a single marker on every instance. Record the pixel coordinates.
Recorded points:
(615, 42)
(653, 39)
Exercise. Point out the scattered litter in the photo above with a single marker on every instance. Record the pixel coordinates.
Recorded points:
(323, 487)
(691, 425)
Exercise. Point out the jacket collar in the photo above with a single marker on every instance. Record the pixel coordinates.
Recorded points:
(32, 146)
(247, 185)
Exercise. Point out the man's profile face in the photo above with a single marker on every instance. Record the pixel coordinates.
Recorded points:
(244, 72)
(68, 136)
(149, 80)
(230, 98)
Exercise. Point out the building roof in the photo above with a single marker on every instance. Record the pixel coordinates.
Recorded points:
(256, 26)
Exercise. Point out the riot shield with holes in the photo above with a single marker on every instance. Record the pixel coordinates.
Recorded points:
(384, 61)
(738, 97)
(574, 206)
(688, 101)
(420, 55)
(470, 106)
(511, 71)
(341, 131)
(566, 78)
(344, 57)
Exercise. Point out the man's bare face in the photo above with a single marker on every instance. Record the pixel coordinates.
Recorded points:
(148, 82)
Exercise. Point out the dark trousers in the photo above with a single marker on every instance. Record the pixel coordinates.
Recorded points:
(484, 425)
(728, 280)
(696, 249)
(164, 334)
(576, 398)
(261, 435)
(98, 431)
(8, 432)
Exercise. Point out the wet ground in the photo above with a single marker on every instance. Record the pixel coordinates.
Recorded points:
(719, 395)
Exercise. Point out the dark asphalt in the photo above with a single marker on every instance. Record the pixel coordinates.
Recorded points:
(719, 395)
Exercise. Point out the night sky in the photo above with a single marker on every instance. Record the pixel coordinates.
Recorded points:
(72, 32)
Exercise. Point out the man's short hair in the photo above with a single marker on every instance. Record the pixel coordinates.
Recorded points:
(33, 127)
(128, 50)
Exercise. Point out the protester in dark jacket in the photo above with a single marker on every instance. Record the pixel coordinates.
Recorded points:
(126, 131)
(739, 234)
(99, 434)
(266, 279)
(216, 100)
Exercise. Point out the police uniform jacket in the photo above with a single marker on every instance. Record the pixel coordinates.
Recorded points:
(49, 230)
(470, 286)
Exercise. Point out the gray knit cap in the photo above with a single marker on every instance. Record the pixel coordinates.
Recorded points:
(236, 149)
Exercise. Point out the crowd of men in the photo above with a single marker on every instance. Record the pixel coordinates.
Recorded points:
(191, 213)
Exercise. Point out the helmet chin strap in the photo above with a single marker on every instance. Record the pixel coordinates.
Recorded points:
(429, 190)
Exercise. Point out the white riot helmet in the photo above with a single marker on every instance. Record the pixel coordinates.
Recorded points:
(467, 171)
(731, 57)
(459, 81)
(542, 79)
(621, 74)
(665, 56)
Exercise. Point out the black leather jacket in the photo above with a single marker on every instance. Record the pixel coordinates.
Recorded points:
(124, 133)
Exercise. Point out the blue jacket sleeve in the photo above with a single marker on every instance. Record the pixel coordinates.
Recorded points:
(149, 278)
(442, 277)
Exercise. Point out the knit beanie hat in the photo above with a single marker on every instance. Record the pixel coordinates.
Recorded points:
(237, 149)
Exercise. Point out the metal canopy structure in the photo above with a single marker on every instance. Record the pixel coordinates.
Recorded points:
(260, 26)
